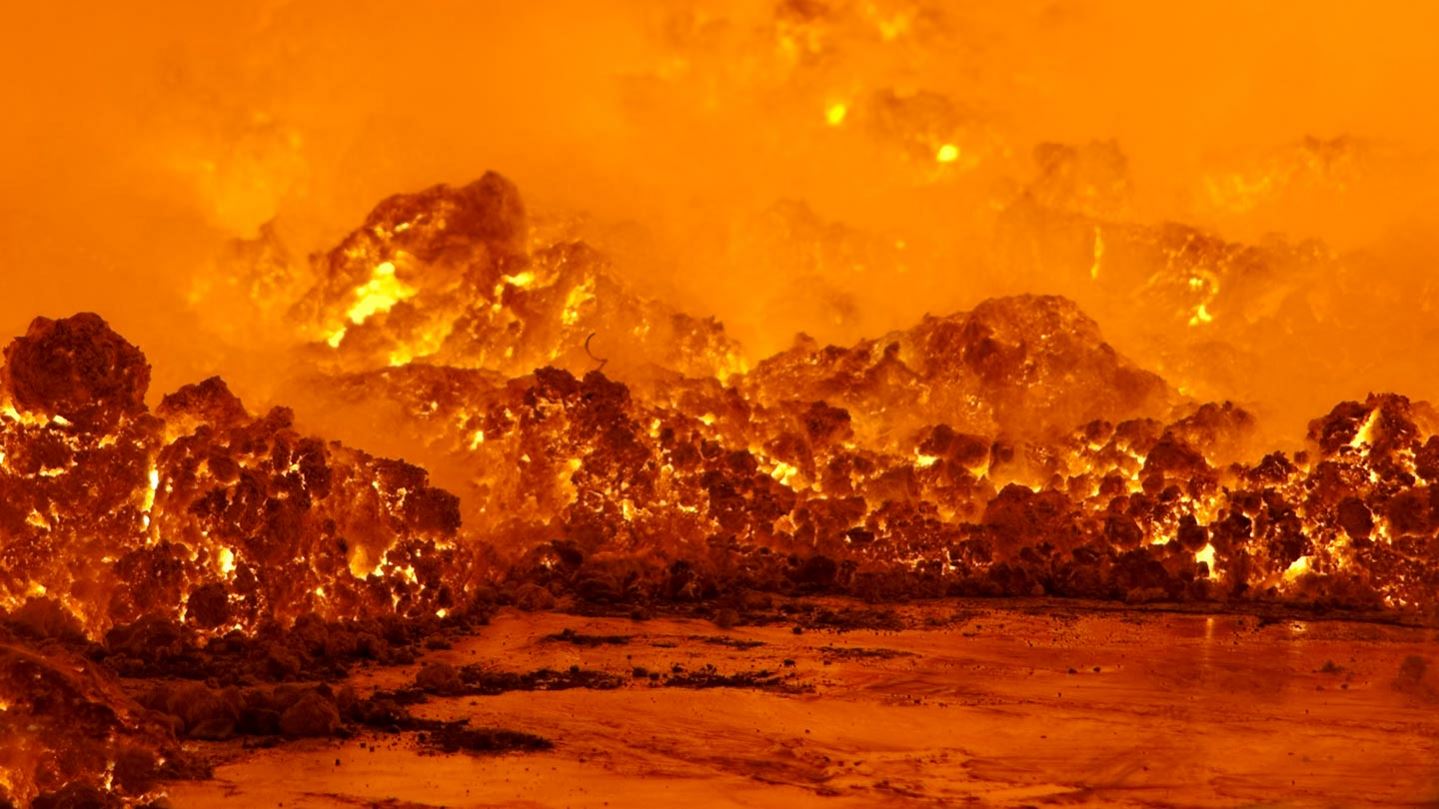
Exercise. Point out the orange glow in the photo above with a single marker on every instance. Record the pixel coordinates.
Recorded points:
(632, 306)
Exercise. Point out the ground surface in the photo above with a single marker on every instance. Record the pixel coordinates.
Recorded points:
(997, 707)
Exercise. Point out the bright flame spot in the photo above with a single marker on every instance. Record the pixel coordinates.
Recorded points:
(336, 337)
(925, 461)
(441, 612)
(30, 419)
(1364, 436)
(359, 562)
(521, 279)
(1206, 555)
(783, 472)
(948, 153)
(1297, 569)
(320, 591)
(149, 502)
(1201, 315)
(708, 419)
(834, 116)
(227, 561)
(1098, 254)
(733, 365)
(576, 298)
(379, 294)
(477, 439)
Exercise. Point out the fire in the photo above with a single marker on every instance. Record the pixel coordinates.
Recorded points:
(379, 294)
(1364, 436)
(808, 298)
(522, 279)
(1296, 569)
(574, 300)
(974, 414)
(1098, 254)
(1205, 556)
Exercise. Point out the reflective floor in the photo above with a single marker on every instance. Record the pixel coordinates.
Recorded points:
(1033, 705)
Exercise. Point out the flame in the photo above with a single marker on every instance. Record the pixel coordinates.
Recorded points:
(577, 298)
(610, 399)
(379, 294)
(1098, 254)
(1206, 555)
(1296, 569)
(1364, 436)
(148, 504)
(520, 279)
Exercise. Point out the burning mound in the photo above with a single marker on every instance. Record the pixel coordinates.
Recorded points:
(68, 731)
(1021, 366)
(185, 532)
(1008, 450)
(446, 276)
(198, 511)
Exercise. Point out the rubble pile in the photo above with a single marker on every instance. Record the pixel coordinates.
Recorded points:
(449, 276)
(193, 570)
(197, 511)
(1006, 450)
(1223, 313)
